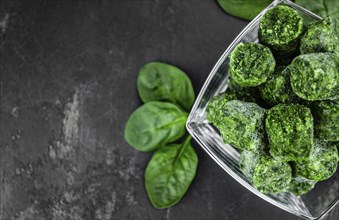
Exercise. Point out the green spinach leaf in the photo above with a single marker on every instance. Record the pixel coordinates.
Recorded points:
(170, 173)
(246, 9)
(163, 82)
(155, 124)
(323, 8)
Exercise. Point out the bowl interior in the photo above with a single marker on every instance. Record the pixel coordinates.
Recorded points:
(311, 205)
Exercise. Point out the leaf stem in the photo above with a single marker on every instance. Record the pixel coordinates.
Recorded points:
(183, 147)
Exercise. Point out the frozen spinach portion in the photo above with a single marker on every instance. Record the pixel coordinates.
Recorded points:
(266, 174)
(271, 176)
(326, 120)
(261, 170)
(242, 125)
(300, 185)
(315, 76)
(277, 89)
(321, 164)
(289, 129)
(280, 29)
(251, 64)
(321, 36)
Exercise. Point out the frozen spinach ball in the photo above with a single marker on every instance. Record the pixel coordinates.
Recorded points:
(280, 29)
(322, 162)
(321, 36)
(277, 88)
(265, 173)
(289, 129)
(215, 106)
(242, 125)
(251, 64)
(315, 76)
(326, 120)
(300, 185)
(271, 176)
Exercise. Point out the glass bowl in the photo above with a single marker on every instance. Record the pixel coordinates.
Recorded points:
(312, 205)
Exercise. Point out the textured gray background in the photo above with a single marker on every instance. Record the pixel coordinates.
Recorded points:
(68, 84)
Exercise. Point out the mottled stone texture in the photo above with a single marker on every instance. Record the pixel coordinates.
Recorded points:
(68, 75)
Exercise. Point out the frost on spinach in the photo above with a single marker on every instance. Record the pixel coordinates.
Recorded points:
(326, 120)
(251, 64)
(155, 124)
(170, 173)
(277, 88)
(289, 129)
(280, 29)
(163, 82)
(300, 185)
(266, 174)
(246, 9)
(315, 76)
(321, 36)
(321, 164)
(242, 125)
(247, 162)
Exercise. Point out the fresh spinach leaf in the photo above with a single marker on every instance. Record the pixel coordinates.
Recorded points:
(170, 173)
(323, 8)
(155, 124)
(163, 82)
(246, 9)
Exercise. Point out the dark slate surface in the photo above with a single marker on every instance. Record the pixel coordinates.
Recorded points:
(68, 84)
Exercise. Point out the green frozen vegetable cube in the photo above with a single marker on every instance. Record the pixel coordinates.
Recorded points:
(251, 64)
(321, 164)
(300, 185)
(277, 89)
(315, 76)
(321, 36)
(215, 106)
(271, 176)
(266, 174)
(326, 120)
(289, 129)
(280, 29)
(242, 125)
